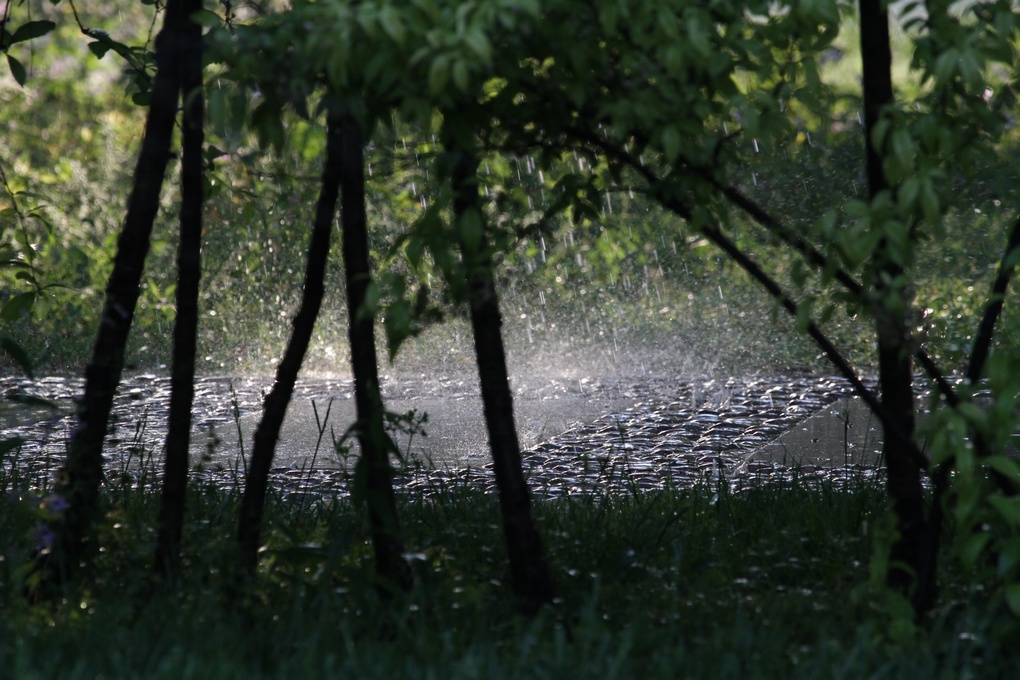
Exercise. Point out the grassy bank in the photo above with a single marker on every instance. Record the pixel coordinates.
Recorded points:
(671, 584)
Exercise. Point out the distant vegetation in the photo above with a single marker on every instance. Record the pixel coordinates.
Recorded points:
(633, 278)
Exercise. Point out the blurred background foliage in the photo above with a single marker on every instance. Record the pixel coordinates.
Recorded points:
(625, 286)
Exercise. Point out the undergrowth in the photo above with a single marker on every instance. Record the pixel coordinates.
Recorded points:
(677, 583)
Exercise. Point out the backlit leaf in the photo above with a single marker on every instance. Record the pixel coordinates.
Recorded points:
(32, 29)
(18, 354)
(17, 70)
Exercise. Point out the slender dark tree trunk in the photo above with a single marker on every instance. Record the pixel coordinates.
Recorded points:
(532, 580)
(275, 408)
(78, 482)
(374, 475)
(894, 351)
(189, 272)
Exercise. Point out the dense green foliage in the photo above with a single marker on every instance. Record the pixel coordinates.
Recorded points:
(627, 276)
(630, 278)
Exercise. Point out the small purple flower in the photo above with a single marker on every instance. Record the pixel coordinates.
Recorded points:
(56, 504)
(44, 537)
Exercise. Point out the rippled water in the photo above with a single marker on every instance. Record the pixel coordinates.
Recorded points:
(581, 436)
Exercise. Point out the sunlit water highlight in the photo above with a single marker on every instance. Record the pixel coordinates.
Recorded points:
(580, 435)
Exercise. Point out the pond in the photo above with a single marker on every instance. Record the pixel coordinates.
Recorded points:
(579, 435)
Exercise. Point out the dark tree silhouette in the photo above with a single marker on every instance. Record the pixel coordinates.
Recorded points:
(189, 272)
(79, 481)
(530, 575)
(373, 478)
(894, 351)
(275, 408)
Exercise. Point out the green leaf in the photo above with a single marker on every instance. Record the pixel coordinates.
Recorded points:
(930, 204)
(479, 44)
(670, 143)
(1007, 467)
(392, 24)
(370, 305)
(1009, 557)
(18, 354)
(460, 75)
(697, 34)
(908, 192)
(17, 70)
(1011, 260)
(17, 306)
(33, 29)
(99, 49)
(973, 547)
(1013, 598)
(439, 73)
(206, 18)
(397, 324)
(469, 229)
(268, 123)
(1009, 508)
(804, 310)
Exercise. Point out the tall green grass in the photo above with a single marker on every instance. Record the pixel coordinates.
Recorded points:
(678, 583)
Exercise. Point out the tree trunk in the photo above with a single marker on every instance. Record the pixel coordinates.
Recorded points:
(530, 575)
(894, 351)
(78, 482)
(373, 477)
(268, 431)
(189, 272)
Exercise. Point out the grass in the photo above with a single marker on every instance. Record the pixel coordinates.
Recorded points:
(693, 584)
